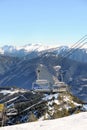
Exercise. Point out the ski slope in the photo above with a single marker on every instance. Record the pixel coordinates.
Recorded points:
(74, 122)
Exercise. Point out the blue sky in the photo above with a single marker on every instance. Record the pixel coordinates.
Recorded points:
(42, 21)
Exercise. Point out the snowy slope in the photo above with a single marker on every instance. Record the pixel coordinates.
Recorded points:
(74, 122)
(1, 51)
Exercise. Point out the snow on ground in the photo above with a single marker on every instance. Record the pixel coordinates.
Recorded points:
(67, 99)
(74, 122)
(85, 107)
(49, 97)
(5, 92)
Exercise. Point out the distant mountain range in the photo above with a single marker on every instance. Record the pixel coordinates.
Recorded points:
(18, 66)
(24, 50)
(31, 51)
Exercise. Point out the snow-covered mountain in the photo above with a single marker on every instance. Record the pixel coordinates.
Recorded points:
(74, 122)
(24, 50)
(27, 48)
(31, 51)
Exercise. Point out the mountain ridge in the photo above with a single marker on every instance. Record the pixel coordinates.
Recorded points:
(31, 51)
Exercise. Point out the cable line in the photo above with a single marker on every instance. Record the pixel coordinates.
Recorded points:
(75, 47)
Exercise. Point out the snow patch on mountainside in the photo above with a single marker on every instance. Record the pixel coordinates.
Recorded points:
(1, 51)
(74, 122)
(37, 47)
